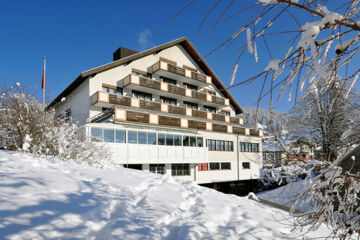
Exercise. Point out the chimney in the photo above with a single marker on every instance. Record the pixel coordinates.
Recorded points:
(122, 52)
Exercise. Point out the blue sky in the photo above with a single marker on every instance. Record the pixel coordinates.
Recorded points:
(79, 35)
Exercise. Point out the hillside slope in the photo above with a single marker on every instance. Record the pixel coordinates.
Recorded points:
(42, 199)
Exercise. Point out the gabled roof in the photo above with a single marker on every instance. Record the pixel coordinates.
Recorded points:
(184, 42)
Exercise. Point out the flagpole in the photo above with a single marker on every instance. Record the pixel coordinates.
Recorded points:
(44, 84)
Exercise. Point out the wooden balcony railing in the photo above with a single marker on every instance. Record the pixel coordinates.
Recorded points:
(163, 86)
(106, 98)
(156, 119)
(168, 67)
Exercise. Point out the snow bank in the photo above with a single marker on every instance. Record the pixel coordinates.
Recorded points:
(42, 199)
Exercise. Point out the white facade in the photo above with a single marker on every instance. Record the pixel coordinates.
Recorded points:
(239, 165)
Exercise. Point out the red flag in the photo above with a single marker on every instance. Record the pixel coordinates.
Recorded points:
(43, 80)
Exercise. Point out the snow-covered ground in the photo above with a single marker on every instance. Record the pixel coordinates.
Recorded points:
(286, 195)
(42, 199)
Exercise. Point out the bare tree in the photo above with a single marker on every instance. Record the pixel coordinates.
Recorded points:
(320, 50)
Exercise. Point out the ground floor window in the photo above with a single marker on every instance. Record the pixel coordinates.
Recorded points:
(180, 169)
(220, 166)
(246, 165)
(214, 166)
(225, 165)
(134, 166)
(203, 166)
(157, 168)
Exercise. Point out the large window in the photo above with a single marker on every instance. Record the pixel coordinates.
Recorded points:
(161, 139)
(96, 134)
(151, 138)
(167, 100)
(114, 90)
(169, 140)
(249, 147)
(191, 105)
(199, 142)
(220, 166)
(220, 145)
(142, 95)
(210, 109)
(157, 168)
(142, 138)
(109, 135)
(180, 169)
(190, 86)
(177, 140)
(132, 137)
(168, 80)
(120, 136)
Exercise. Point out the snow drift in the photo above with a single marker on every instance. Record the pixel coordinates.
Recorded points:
(42, 199)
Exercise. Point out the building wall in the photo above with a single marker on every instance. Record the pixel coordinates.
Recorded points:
(79, 103)
(124, 153)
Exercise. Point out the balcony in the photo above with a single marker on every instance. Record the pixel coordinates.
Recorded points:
(104, 99)
(136, 82)
(167, 69)
(121, 114)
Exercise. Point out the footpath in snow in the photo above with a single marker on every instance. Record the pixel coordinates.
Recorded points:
(42, 199)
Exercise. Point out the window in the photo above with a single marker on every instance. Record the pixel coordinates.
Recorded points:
(210, 109)
(220, 146)
(96, 134)
(192, 141)
(177, 140)
(186, 141)
(167, 100)
(147, 75)
(229, 146)
(168, 80)
(109, 135)
(142, 138)
(190, 86)
(157, 168)
(202, 167)
(225, 113)
(180, 169)
(242, 147)
(132, 137)
(120, 136)
(114, 90)
(169, 140)
(142, 95)
(161, 139)
(151, 138)
(249, 147)
(225, 165)
(214, 166)
(191, 105)
(211, 144)
(246, 165)
(200, 142)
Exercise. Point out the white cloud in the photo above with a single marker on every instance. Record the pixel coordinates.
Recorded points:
(144, 39)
